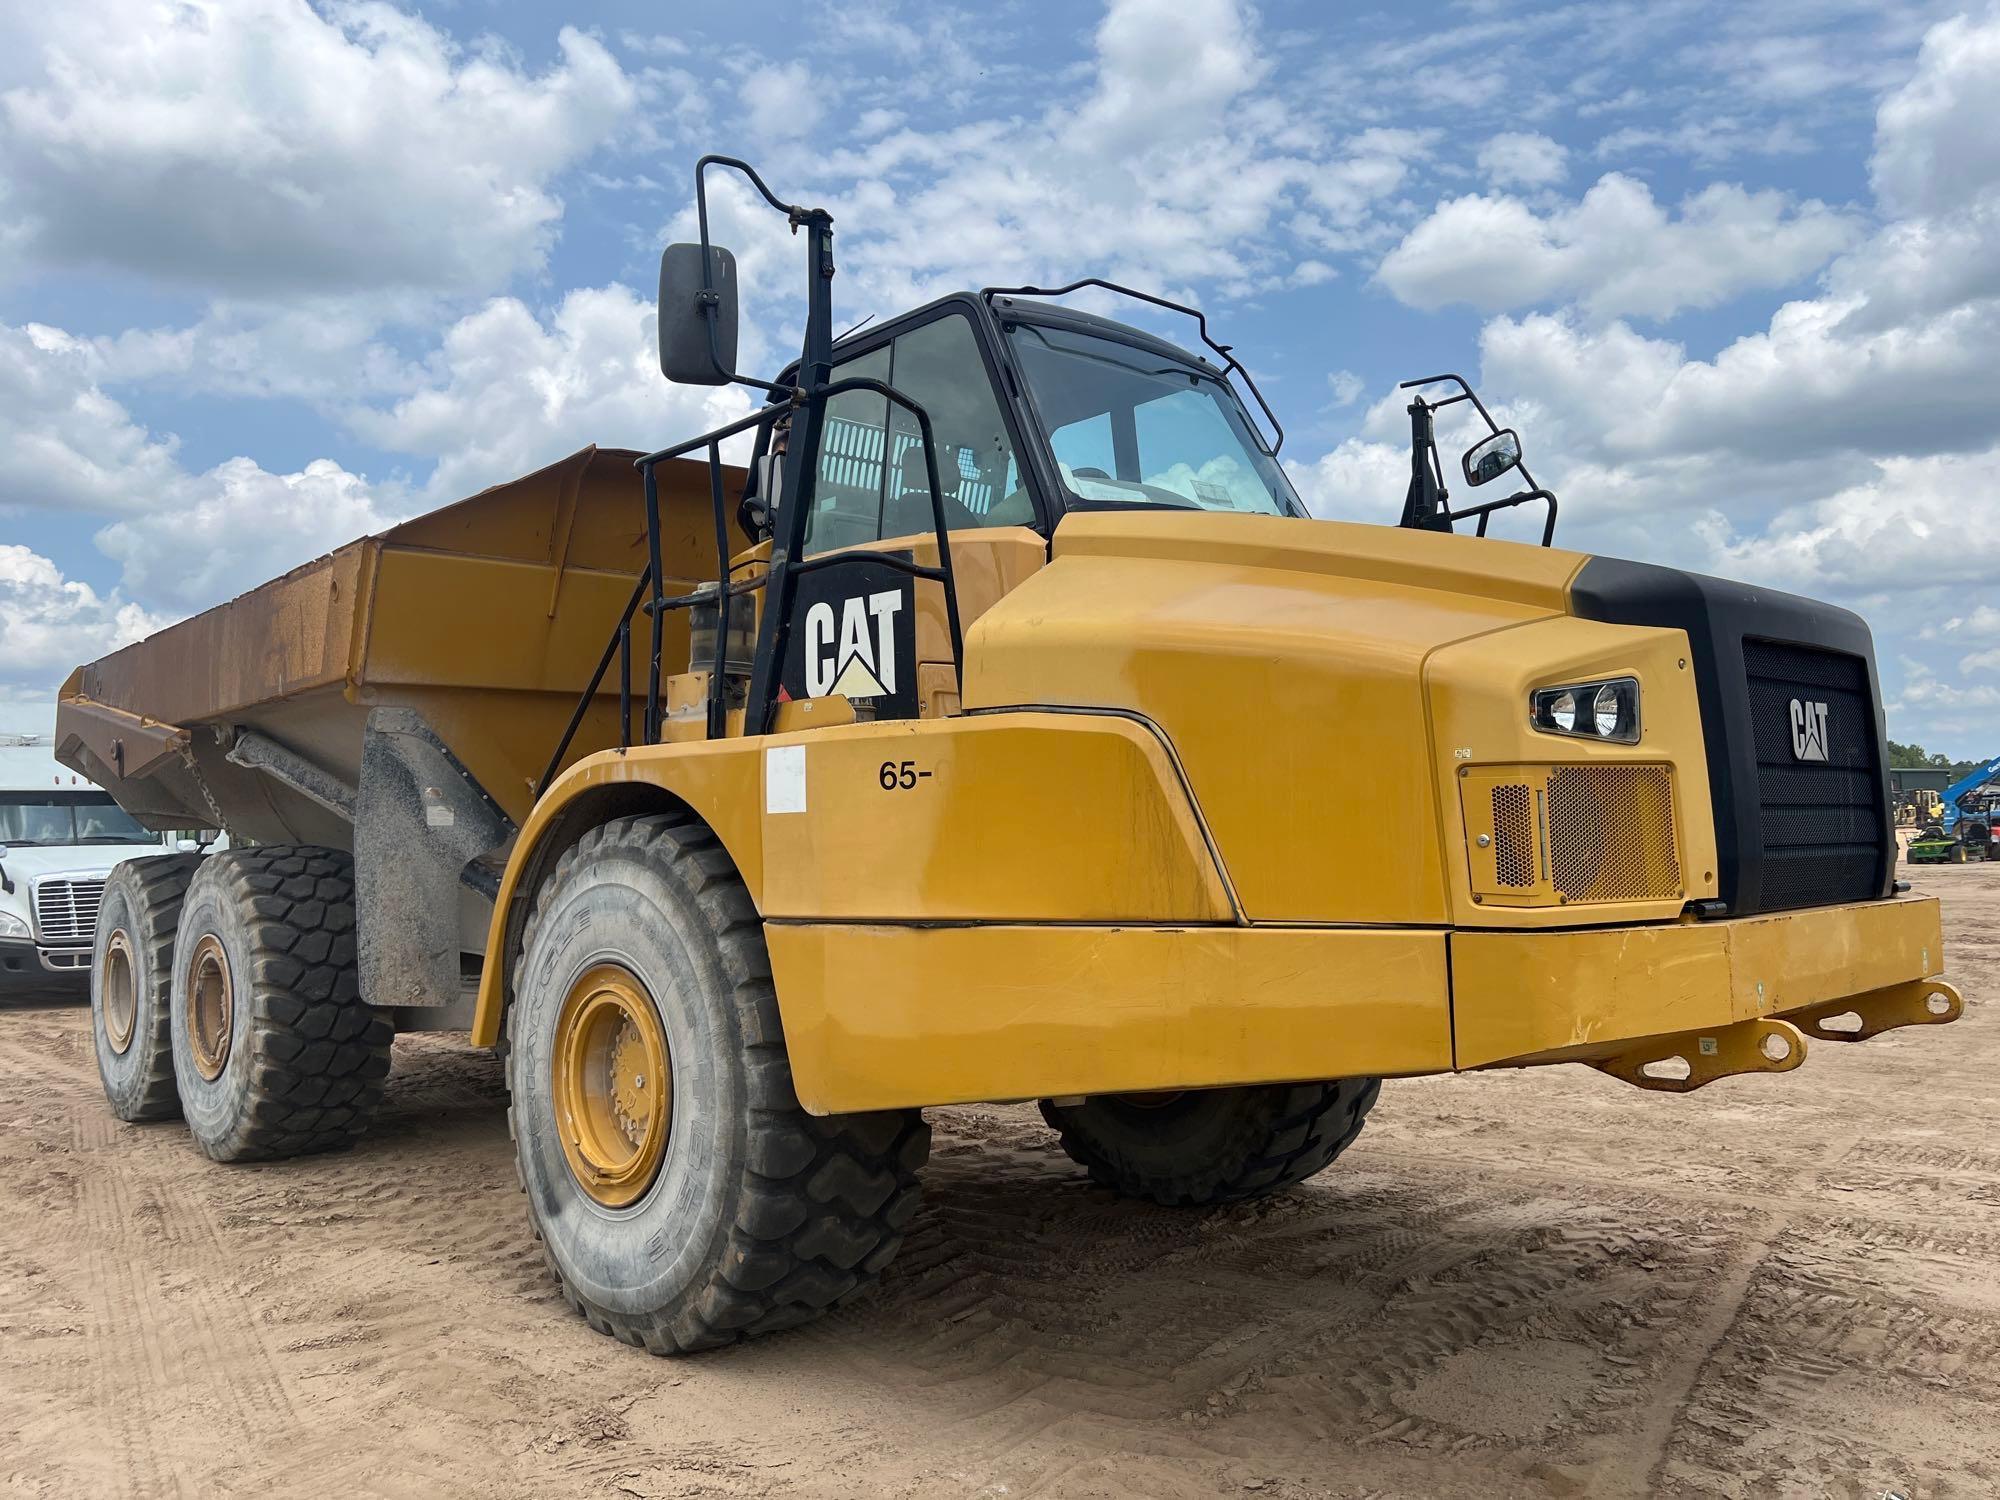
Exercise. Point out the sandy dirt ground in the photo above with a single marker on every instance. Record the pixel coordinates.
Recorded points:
(1539, 1284)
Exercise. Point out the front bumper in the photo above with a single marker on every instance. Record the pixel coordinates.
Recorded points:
(1611, 996)
(1039, 1010)
(20, 956)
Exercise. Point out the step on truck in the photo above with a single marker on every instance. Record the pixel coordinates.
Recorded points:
(1003, 729)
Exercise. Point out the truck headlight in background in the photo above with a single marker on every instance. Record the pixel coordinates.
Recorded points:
(1607, 709)
(12, 926)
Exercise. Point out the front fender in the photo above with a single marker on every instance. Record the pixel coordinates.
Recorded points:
(1027, 816)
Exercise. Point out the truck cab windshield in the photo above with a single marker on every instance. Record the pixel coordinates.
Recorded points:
(1129, 426)
(54, 818)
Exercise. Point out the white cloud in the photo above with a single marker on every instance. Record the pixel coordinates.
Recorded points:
(1981, 622)
(508, 392)
(1905, 524)
(1166, 71)
(184, 539)
(1615, 251)
(1358, 481)
(1346, 387)
(263, 145)
(49, 623)
(64, 444)
(1523, 159)
(237, 525)
(1936, 141)
(784, 102)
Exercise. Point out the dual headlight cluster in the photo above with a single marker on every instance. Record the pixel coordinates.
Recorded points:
(1604, 710)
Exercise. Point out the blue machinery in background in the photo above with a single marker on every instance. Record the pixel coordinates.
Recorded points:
(1977, 778)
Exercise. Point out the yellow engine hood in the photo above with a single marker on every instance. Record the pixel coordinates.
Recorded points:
(1285, 662)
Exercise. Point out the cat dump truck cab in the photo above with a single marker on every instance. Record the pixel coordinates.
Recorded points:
(1001, 727)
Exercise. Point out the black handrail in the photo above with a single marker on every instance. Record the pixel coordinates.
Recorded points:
(656, 604)
(1484, 511)
(1229, 361)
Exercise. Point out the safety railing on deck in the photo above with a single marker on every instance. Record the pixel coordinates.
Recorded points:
(778, 584)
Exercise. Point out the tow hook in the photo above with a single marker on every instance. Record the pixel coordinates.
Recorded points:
(1921, 1002)
(1681, 1062)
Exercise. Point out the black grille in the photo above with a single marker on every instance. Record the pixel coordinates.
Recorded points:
(1819, 822)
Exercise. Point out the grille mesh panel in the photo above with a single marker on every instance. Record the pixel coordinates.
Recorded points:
(66, 910)
(1611, 833)
(1820, 822)
(1514, 839)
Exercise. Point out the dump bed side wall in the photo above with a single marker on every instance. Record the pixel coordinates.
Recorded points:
(291, 635)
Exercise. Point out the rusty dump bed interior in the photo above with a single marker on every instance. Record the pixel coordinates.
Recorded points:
(486, 617)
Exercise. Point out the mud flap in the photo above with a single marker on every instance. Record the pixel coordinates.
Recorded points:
(420, 824)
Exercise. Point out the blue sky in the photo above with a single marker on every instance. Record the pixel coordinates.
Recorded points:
(273, 274)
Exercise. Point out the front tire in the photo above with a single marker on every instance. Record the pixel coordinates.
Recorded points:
(684, 1198)
(131, 985)
(1209, 1146)
(275, 1053)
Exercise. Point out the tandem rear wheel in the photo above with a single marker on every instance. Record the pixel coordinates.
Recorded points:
(131, 984)
(274, 1052)
(683, 1197)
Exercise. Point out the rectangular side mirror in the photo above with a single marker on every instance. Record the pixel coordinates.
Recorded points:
(1491, 457)
(686, 356)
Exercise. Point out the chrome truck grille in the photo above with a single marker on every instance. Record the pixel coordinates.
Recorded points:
(66, 910)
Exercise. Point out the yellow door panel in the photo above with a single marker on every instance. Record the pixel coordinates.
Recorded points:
(881, 1017)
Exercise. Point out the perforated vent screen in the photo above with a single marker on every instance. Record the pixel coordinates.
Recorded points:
(1611, 833)
(1514, 841)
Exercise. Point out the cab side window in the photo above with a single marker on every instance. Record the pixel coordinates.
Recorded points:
(872, 481)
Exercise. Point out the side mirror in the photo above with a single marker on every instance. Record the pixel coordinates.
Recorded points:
(186, 846)
(686, 356)
(1491, 457)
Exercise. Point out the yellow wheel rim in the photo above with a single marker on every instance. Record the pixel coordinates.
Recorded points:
(120, 992)
(612, 1081)
(211, 1006)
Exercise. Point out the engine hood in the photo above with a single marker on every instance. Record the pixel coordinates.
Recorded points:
(1285, 661)
(29, 862)
(1484, 567)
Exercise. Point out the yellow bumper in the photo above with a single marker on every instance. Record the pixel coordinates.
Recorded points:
(1532, 997)
(880, 1016)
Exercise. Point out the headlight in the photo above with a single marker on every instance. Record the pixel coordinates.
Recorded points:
(1603, 710)
(12, 926)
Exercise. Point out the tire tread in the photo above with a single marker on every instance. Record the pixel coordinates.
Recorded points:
(826, 1198)
(1291, 1132)
(317, 1054)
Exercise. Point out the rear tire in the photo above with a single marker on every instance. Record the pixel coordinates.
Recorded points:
(1213, 1145)
(275, 1053)
(131, 985)
(717, 1208)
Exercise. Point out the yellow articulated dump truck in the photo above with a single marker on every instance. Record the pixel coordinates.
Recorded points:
(1001, 729)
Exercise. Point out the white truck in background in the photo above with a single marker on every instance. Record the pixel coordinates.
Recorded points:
(60, 836)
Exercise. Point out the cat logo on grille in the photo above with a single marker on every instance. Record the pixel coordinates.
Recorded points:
(1808, 730)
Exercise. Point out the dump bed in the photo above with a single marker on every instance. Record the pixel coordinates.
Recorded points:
(486, 618)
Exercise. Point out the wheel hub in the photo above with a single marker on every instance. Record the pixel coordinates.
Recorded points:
(612, 1084)
(211, 1006)
(119, 989)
